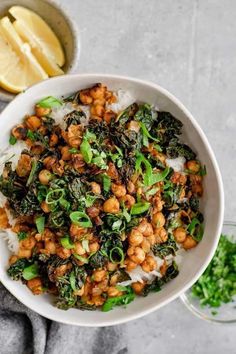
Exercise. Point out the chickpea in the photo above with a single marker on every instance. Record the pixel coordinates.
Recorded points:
(109, 116)
(24, 253)
(85, 97)
(79, 249)
(158, 219)
(138, 255)
(45, 177)
(79, 292)
(158, 203)
(118, 190)
(96, 188)
(138, 287)
(178, 178)
(93, 212)
(111, 205)
(43, 130)
(48, 235)
(189, 243)
(112, 171)
(111, 267)
(45, 207)
(50, 246)
(24, 165)
(161, 235)
(130, 265)
(180, 234)
(28, 243)
(96, 291)
(97, 110)
(65, 153)
(135, 237)
(74, 135)
(53, 140)
(151, 239)
(78, 161)
(37, 149)
(33, 122)
(128, 200)
(149, 264)
(63, 252)
(19, 132)
(193, 166)
(98, 91)
(134, 126)
(93, 247)
(131, 187)
(13, 259)
(146, 245)
(99, 275)
(197, 189)
(41, 111)
(49, 162)
(76, 231)
(112, 291)
(61, 270)
(35, 285)
(98, 300)
(114, 279)
(145, 228)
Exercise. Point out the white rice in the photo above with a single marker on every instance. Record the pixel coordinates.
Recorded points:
(177, 164)
(11, 238)
(124, 99)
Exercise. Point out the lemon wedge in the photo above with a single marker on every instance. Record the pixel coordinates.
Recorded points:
(51, 68)
(18, 67)
(43, 36)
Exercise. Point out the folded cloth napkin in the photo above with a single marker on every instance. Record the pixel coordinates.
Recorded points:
(23, 331)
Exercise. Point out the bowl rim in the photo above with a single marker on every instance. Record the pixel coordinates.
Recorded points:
(200, 314)
(6, 96)
(142, 312)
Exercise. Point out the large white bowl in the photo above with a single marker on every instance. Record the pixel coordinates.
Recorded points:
(194, 262)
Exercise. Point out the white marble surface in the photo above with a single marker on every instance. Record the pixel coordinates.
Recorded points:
(189, 48)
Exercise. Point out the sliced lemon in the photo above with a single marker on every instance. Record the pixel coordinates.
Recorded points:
(18, 67)
(51, 68)
(43, 35)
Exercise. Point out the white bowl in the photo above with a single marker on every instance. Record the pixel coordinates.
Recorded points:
(194, 261)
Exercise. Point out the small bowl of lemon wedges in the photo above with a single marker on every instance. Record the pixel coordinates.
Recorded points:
(38, 40)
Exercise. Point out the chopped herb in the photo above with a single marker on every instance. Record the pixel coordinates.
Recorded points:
(80, 218)
(119, 300)
(30, 272)
(12, 140)
(22, 235)
(66, 242)
(106, 183)
(140, 208)
(50, 102)
(86, 150)
(40, 221)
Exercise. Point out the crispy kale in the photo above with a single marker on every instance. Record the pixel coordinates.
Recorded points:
(15, 271)
(74, 118)
(164, 249)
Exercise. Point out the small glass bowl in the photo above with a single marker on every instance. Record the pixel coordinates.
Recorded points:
(226, 313)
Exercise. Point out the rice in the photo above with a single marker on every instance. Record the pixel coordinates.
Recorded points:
(177, 164)
(11, 238)
(124, 99)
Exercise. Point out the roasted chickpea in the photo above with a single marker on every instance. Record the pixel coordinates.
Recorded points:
(138, 255)
(45, 207)
(93, 212)
(96, 188)
(193, 166)
(49, 162)
(45, 177)
(146, 245)
(35, 285)
(61, 270)
(112, 291)
(158, 219)
(85, 97)
(98, 300)
(197, 189)
(161, 235)
(118, 190)
(76, 231)
(111, 266)
(96, 291)
(145, 228)
(130, 265)
(178, 178)
(93, 247)
(111, 205)
(53, 140)
(135, 238)
(41, 111)
(98, 91)
(24, 253)
(99, 275)
(151, 239)
(28, 243)
(19, 132)
(63, 252)
(78, 161)
(24, 165)
(149, 264)
(180, 234)
(33, 122)
(138, 287)
(37, 149)
(50, 246)
(109, 116)
(97, 110)
(134, 125)
(13, 259)
(74, 135)
(128, 201)
(112, 171)
(65, 153)
(131, 187)
(158, 203)
(189, 243)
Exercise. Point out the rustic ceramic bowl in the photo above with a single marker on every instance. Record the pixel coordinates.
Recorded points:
(57, 18)
(194, 261)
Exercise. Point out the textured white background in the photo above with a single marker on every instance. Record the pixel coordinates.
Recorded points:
(189, 47)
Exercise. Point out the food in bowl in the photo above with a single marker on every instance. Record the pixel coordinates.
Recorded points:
(30, 50)
(101, 199)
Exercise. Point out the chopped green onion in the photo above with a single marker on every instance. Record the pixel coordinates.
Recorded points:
(72, 280)
(152, 191)
(80, 218)
(153, 178)
(73, 151)
(80, 258)
(40, 222)
(32, 172)
(126, 215)
(139, 208)
(50, 102)
(203, 171)
(66, 242)
(12, 140)
(30, 272)
(31, 135)
(86, 150)
(116, 225)
(22, 235)
(116, 252)
(106, 182)
(85, 245)
(64, 204)
(55, 195)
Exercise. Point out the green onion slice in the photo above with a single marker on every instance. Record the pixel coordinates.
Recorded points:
(40, 222)
(30, 272)
(80, 218)
(139, 208)
(116, 252)
(80, 258)
(55, 195)
(66, 242)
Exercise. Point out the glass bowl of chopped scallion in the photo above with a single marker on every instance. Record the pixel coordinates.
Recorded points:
(213, 296)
